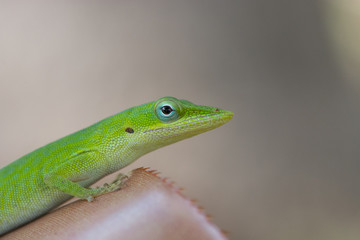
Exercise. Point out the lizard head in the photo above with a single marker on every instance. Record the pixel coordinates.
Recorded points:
(169, 120)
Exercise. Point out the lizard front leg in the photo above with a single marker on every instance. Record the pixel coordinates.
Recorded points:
(84, 167)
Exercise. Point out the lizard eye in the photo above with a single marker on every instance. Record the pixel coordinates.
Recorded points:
(167, 111)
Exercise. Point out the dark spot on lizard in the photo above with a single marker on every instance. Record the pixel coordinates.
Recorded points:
(129, 130)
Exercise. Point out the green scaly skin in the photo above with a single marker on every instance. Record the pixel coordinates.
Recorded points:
(45, 178)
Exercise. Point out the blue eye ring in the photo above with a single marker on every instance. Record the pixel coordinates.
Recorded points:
(167, 111)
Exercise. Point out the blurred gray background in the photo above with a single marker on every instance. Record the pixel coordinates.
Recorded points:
(287, 165)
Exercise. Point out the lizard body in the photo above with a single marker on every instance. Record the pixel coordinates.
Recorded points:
(45, 178)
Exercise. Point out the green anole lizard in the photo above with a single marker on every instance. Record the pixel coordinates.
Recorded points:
(47, 177)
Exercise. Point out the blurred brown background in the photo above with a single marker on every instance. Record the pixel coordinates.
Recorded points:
(286, 167)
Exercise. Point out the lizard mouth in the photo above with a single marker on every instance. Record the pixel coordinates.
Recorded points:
(198, 124)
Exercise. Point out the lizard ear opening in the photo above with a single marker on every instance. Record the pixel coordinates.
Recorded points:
(129, 130)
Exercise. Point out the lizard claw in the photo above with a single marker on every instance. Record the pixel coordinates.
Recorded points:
(90, 198)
